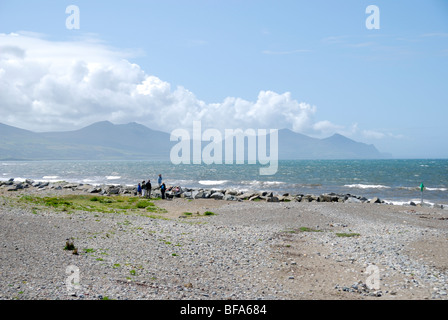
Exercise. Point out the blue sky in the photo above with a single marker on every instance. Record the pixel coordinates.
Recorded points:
(310, 66)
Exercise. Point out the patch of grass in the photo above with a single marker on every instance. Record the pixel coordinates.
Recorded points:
(153, 216)
(143, 204)
(116, 265)
(69, 245)
(187, 213)
(133, 272)
(89, 203)
(306, 229)
(57, 202)
(209, 213)
(155, 209)
(347, 235)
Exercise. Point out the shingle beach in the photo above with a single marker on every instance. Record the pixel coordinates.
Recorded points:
(201, 249)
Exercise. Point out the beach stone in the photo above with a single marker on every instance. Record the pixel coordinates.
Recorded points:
(94, 190)
(217, 196)
(71, 186)
(113, 190)
(246, 195)
(255, 197)
(353, 200)
(231, 192)
(325, 198)
(375, 200)
(199, 195)
(230, 198)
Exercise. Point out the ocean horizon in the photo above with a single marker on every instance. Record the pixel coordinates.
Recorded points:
(395, 181)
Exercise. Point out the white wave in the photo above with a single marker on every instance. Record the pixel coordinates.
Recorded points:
(437, 189)
(271, 183)
(397, 203)
(366, 186)
(50, 177)
(212, 182)
(113, 177)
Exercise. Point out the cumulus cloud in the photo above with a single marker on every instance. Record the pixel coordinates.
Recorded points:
(48, 85)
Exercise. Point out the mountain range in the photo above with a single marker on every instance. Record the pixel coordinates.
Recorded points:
(107, 141)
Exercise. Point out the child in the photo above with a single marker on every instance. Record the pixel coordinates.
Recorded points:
(139, 190)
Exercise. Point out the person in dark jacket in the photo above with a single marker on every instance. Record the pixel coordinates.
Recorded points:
(163, 189)
(148, 188)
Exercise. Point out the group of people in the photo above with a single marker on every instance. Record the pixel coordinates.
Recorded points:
(144, 188)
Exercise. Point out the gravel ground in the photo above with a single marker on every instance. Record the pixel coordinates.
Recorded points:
(247, 250)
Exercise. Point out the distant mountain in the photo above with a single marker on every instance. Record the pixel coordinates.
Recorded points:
(298, 146)
(107, 141)
(101, 140)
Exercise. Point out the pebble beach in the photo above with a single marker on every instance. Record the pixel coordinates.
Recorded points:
(210, 249)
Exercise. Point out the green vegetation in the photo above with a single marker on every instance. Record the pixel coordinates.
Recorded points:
(69, 245)
(89, 203)
(209, 213)
(306, 229)
(347, 235)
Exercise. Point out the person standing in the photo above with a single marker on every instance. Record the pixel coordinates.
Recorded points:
(159, 180)
(163, 189)
(139, 189)
(143, 188)
(148, 188)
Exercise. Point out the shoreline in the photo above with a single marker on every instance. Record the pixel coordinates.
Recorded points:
(15, 184)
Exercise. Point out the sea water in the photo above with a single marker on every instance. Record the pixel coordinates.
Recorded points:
(396, 181)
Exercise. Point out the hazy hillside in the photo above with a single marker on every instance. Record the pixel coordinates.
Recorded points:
(104, 140)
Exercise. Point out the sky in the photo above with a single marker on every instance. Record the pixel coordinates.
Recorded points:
(314, 67)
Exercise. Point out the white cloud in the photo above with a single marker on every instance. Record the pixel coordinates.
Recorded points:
(48, 85)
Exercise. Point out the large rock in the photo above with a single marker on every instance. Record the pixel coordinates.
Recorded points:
(112, 190)
(199, 194)
(272, 199)
(230, 197)
(353, 200)
(375, 200)
(217, 195)
(231, 192)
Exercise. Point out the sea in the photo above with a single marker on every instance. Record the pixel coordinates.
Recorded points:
(396, 181)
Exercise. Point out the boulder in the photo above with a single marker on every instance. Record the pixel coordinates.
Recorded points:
(272, 199)
(255, 197)
(353, 200)
(230, 197)
(324, 198)
(199, 194)
(217, 195)
(375, 200)
(94, 190)
(231, 192)
(113, 190)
